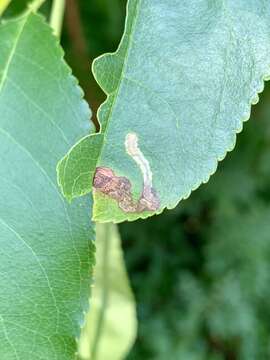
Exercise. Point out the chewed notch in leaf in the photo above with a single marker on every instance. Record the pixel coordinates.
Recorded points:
(119, 187)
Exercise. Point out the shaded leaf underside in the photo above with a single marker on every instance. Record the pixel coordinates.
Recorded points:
(111, 324)
(182, 82)
(46, 254)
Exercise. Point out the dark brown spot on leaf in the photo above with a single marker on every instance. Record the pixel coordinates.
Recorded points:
(119, 189)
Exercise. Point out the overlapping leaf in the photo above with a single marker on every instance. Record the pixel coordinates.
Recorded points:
(179, 88)
(46, 254)
(111, 323)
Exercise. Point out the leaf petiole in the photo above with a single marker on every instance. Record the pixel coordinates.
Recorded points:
(57, 15)
(35, 5)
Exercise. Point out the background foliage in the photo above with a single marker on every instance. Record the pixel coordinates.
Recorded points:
(200, 273)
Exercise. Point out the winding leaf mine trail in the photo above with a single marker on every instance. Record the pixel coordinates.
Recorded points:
(119, 187)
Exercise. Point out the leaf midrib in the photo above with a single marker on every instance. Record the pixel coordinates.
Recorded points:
(116, 92)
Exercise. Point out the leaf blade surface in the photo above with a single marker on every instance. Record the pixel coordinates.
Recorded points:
(47, 252)
(182, 82)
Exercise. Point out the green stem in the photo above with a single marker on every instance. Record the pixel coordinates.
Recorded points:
(35, 5)
(3, 5)
(57, 16)
(105, 289)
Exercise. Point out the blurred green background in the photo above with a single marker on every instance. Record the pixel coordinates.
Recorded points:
(200, 273)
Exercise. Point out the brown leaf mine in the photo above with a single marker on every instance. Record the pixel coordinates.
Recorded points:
(119, 187)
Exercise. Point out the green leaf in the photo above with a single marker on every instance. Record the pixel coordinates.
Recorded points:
(179, 88)
(111, 324)
(46, 255)
(3, 5)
